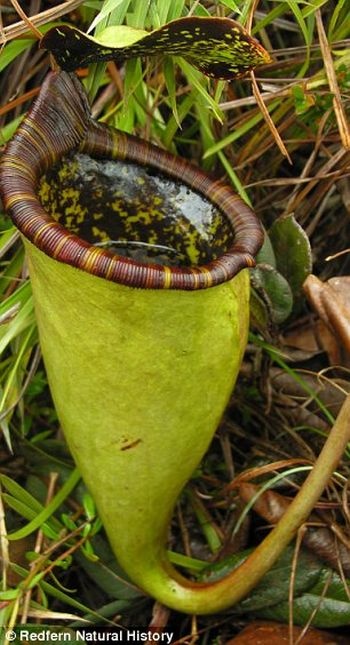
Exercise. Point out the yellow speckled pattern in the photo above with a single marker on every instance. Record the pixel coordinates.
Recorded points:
(116, 206)
(100, 201)
(219, 47)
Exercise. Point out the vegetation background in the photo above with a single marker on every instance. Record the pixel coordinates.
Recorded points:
(282, 139)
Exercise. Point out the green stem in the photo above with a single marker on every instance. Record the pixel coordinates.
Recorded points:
(178, 592)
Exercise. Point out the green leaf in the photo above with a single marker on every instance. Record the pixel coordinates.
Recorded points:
(274, 291)
(21, 494)
(51, 530)
(46, 512)
(195, 81)
(259, 315)
(108, 7)
(12, 50)
(10, 594)
(170, 81)
(266, 254)
(275, 585)
(302, 100)
(328, 599)
(294, 6)
(293, 252)
(106, 573)
(21, 321)
(247, 125)
(174, 9)
(218, 47)
(94, 616)
(231, 4)
(7, 132)
(89, 506)
(122, 34)
(17, 46)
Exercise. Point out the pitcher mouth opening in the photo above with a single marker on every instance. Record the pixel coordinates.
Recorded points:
(120, 208)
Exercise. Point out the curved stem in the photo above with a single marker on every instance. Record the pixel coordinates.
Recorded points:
(269, 550)
(164, 582)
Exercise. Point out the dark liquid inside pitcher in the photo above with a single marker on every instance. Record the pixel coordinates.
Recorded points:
(135, 212)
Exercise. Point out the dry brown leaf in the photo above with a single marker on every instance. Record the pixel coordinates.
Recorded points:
(19, 28)
(270, 633)
(301, 338)
(320, 539)
(329, 344)
(330, 391)
(341, 286)
(331, 300)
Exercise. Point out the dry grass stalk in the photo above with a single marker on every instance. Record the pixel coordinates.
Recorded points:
(267, 118)
(339, 111)
(20, 28)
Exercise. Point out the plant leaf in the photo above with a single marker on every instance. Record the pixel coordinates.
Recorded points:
(17, 46)
(124, 35)
(318, 537)
(293, 252)
(266, 254)
(218, 47)
(107, 9)
(272, 633)
(106, 573)
(328, 599)
(48, 510)
(275, 585)
(274, 291)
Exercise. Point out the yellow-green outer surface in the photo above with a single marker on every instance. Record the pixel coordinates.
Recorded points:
(140, 380)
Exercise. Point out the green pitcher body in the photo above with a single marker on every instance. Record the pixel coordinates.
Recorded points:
(140, 379)
(141, 353)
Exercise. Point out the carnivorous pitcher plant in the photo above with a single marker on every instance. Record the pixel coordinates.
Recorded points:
(138, 262)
